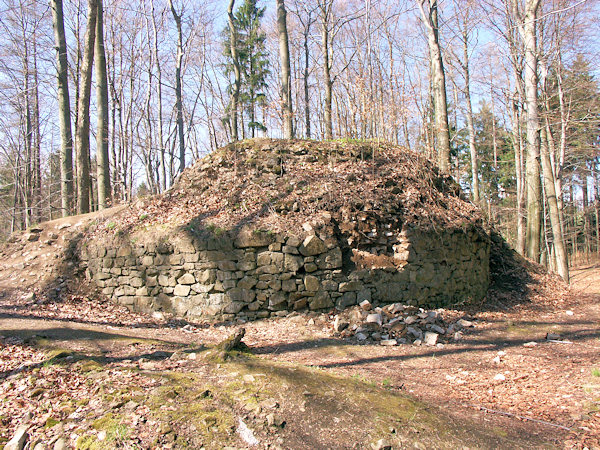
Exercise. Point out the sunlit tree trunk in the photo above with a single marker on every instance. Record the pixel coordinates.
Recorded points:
(102, 166)
(284, 53)
(83, 115)
(235, 92)
(178, 88)
(429, 16)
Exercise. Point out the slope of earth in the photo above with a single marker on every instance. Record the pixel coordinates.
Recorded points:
(279, 185)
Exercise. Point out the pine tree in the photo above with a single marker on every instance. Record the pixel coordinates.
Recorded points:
(252, 59)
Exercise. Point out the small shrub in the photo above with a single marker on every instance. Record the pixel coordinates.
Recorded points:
(596, 372)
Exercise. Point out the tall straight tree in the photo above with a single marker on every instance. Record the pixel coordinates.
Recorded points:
(284, 53)
(325, 7)
(235, 62)
(527, 26)
(83, 115)
(429, 16)
(102, 167)
(178, 88)
(64, 109)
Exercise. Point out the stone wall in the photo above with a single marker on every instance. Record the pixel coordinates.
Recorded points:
(256, 274)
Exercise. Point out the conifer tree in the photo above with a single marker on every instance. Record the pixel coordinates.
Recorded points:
(252, 59)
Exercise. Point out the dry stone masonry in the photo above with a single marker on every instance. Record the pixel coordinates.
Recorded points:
(256, 273)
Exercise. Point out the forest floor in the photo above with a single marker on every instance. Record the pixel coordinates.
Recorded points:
(77, 371)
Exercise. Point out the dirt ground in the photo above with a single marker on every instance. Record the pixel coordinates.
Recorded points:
(83, 372)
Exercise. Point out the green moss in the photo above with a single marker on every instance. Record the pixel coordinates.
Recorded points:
(50, 422)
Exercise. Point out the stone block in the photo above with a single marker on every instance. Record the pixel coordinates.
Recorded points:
(330, 260)
(350, 286)
(292, 263)
(254, 238)
(321, 300)
(312, 246)
(311, 283)
(182, 290)
(247, 282)
(147, 260)
(288, 285)
(186, 278)
(240, 295)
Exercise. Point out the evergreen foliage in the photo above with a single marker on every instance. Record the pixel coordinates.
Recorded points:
(253, 60)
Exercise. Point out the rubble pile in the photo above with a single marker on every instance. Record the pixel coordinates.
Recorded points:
(396, 324)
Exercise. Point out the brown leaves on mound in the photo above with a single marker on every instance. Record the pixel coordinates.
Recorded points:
(281, 184)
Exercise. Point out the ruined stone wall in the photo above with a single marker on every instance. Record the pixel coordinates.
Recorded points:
(256, 274)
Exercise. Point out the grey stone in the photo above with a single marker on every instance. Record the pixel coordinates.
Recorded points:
(388, 342)
(431, 338)
(17, 442)
(60, 444)
(360, 337)
(312, 245)
(277, 299)
(292, 263)
(311, 283)
(321, 300)
(288, 285)
(330, 260)
(381, 444)
(241, 295)
(290, 250)
(293, 241)
(310, 267)
(350, 286)
(437, 329)
(348, 299)
(247, 282)
(254, 238)
(409, 320)
(416, 332)
(233, 307)
(375, 318)
(365, 305)
(339, 325)
(182, 290)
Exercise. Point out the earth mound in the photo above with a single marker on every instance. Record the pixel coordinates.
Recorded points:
(281, 184)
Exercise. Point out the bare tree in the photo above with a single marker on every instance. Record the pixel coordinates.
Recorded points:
(429, 17)
(64, 109)
(102, 166)
(178, 88)
(284, 53)
(235, 92)
(83, 116)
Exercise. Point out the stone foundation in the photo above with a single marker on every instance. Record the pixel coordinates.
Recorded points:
(257, 274)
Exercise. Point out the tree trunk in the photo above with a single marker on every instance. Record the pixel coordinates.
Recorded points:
(562, 264)
(528, 30)
(161, 143)
(83, 115)
(284, 53)
(470, 124)
(235, 92)
(306, 74)
(520, 194)
(102, 167)
(442, 131)
(178, 88)
(325, 13)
